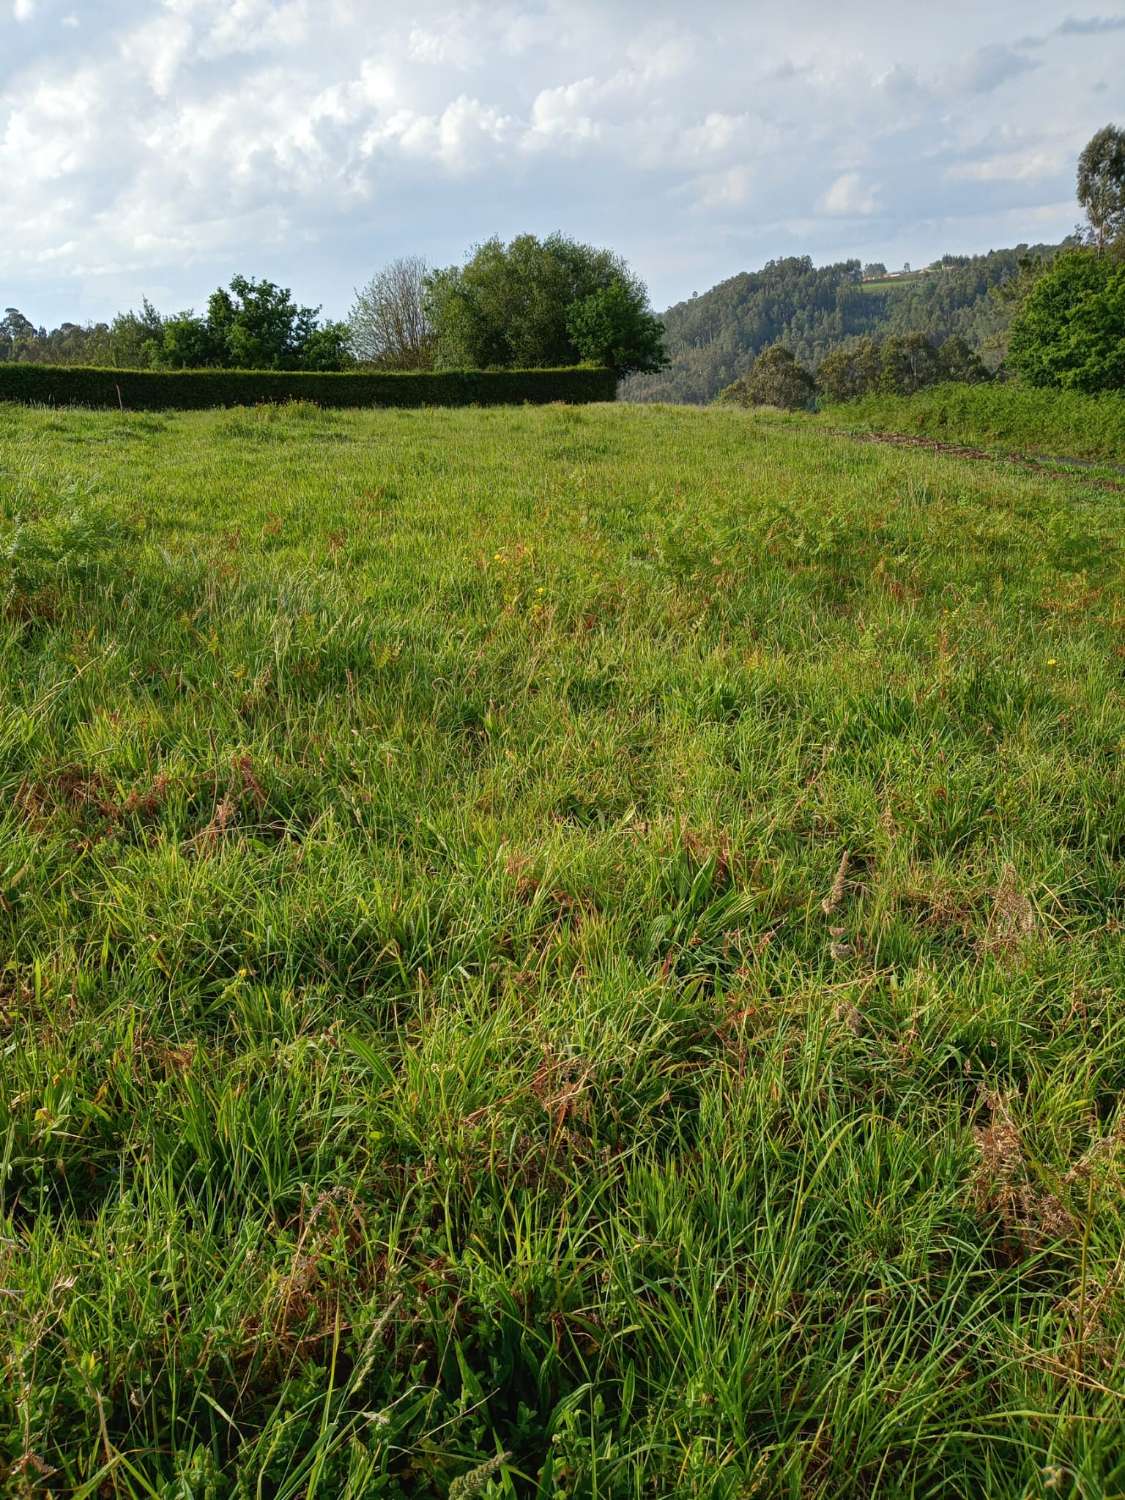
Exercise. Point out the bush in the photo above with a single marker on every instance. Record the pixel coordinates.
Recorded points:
(774, 379)
(850, 371)
(909, 363)
(961, 364)
(1071, 330)
(164, 390)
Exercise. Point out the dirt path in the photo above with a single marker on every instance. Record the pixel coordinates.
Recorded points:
(1058, 468)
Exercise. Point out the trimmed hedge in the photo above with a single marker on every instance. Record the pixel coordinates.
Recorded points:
(166, 390)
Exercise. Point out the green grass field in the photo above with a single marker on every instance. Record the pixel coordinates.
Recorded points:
(890, 285)
(1008, 418)
(556, 952)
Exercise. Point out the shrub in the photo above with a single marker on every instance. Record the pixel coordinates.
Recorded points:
(961, 364)
(850, 371)
(157, 390)
(909, 363)
(1071, 330)
(774, 379)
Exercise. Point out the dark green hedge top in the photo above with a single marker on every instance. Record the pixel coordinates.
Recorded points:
(165, 390)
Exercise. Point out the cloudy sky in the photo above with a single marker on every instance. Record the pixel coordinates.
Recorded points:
(158, 146)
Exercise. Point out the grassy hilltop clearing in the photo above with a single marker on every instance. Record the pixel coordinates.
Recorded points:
(556, 952)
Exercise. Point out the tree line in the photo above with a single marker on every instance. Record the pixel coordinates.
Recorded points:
(900, 364)
(1051, 314)
(529, 304)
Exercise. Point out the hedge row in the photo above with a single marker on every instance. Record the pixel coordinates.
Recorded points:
(164, 390)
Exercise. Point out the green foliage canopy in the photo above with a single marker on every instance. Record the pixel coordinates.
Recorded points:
(250, 325)
(1071, 330)
(614, 327)
(134, 337)
(851, 371)
(899, 365)
(1101, 184)
(253, 325)
(70, 343)
(774, 379)
(537, 303)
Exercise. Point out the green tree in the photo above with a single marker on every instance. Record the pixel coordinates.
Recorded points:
(1101, 184)
(258, 325)
(17, 333)
(850, 371)
(956, 361)
(75, 344)
(327, 347)
(1071, 330)
(68, 344)
(527, 305)
(615, 328)
(902, 363)
(909, 363)
(252, 325)
(186, 343)
(1008, 297)
(774, 379)
(135, 337)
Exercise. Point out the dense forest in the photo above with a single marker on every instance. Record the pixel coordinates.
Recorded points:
(713, 339)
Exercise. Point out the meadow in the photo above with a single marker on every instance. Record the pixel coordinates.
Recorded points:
(556, 952)
(1010, 418)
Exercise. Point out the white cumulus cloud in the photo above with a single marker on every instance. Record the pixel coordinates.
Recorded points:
(162, 145)
(849, 195)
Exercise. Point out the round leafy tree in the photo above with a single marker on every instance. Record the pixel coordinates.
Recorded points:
(774, 379)
(1071, 330)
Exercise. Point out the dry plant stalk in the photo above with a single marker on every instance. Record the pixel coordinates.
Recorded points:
(836, 894)
(1002, 1184)
(1012, 918)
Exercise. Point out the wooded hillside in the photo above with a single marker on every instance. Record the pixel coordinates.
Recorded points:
(713, 338)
